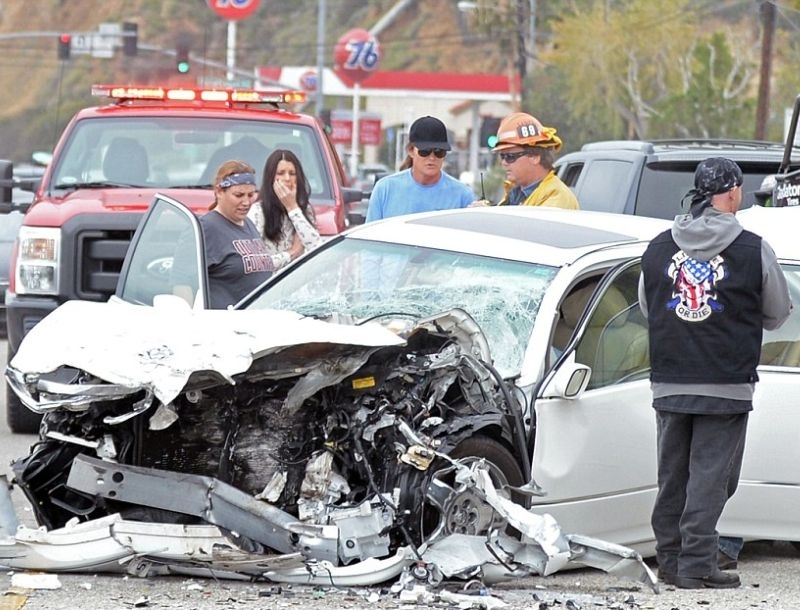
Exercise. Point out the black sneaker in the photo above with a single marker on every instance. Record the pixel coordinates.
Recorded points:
(666, 577)
(717, 580)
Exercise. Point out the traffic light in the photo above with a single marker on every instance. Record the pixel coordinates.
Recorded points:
(325, 117)
(182, 57)
(130, 40)
(64, 44)
(488, 133)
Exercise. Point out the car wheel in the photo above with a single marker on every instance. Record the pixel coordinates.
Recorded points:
(20, 419)
(464, 511)
(796, 545)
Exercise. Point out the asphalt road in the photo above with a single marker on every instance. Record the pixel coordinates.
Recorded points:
(770, 573)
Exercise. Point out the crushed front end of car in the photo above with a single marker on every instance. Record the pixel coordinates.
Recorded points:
(291, 449)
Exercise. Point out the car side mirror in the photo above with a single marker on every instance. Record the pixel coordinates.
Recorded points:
(351, 195)
(569, 381)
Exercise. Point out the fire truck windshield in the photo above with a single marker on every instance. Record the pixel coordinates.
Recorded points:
(178, 152)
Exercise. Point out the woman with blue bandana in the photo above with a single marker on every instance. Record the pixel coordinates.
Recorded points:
(236, 257)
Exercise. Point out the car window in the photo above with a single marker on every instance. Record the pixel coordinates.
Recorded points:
(781, 347)
(569, 173)
(664, 185)
(605, 185)
(354, 281)
(615, 343)
(165, 256)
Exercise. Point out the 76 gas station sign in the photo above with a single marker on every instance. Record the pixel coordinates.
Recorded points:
(234, 9)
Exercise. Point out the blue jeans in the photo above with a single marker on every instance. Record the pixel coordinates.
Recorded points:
(731, 546)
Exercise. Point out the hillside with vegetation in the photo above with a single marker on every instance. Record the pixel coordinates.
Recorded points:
(600, 68)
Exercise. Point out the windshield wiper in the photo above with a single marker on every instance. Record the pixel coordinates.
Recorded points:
(99, 184)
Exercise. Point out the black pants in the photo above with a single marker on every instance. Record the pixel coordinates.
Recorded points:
(699, 460)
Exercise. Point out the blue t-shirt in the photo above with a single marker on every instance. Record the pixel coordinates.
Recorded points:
(400, 194)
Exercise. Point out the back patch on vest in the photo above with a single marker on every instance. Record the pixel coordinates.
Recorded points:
(694, 286)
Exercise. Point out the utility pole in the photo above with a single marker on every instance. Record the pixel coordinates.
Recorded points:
(767, 10)
(522, 60)
(320, 95)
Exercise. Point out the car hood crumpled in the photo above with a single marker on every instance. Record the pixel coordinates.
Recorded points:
(171, 341)
(404, 431)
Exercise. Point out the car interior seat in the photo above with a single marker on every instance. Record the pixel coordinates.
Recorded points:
(616, 343)
(293, 146)
(570, 313)
(126, 162)
(247, 149)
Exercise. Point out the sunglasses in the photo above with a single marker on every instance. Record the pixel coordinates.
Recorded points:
(512, 157)
(426, 152)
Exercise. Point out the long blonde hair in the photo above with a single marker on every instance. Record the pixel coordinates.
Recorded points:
(229, 168)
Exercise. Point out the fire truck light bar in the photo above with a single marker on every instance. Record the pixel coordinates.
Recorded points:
(130, 92)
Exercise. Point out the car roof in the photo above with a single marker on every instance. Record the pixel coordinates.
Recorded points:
(776, 225)
(689, 149)
(532, 234)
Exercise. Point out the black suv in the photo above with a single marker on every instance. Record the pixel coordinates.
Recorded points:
(651, 178)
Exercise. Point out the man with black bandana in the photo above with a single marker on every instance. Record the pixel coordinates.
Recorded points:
(708, 288)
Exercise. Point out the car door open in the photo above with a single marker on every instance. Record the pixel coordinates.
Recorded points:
(166, 256)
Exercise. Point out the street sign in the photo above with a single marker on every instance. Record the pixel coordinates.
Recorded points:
(225, 83)
(81, 44)
(97, 44)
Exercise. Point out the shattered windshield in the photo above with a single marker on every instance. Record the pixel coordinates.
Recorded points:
(361, 280)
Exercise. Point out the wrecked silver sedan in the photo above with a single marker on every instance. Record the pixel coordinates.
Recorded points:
(366, 414)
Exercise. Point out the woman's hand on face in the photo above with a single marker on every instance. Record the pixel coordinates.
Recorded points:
(286, 195)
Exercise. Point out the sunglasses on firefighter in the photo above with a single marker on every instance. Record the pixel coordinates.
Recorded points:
(425, 152)
(513, 156)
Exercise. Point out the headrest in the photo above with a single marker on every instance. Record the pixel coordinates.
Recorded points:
(573, 305)
(613, 307)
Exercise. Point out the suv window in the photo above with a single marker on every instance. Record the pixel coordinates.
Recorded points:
(169, 152)
(662, 188)
(570, 174)
(605, 187)
(664, 185)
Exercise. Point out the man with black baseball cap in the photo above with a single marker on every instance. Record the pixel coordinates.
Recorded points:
(421, 185)
(708, 288)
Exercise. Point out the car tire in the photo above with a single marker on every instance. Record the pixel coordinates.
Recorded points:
(496, 455)
(468, 513)
(20, 419)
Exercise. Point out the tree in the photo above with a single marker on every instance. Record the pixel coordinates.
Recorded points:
(716, 97)
(625, 66)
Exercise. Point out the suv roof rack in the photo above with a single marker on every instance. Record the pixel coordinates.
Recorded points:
(637, 145)
(650, 146)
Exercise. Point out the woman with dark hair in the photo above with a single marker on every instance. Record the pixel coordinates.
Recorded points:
(283, 215)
